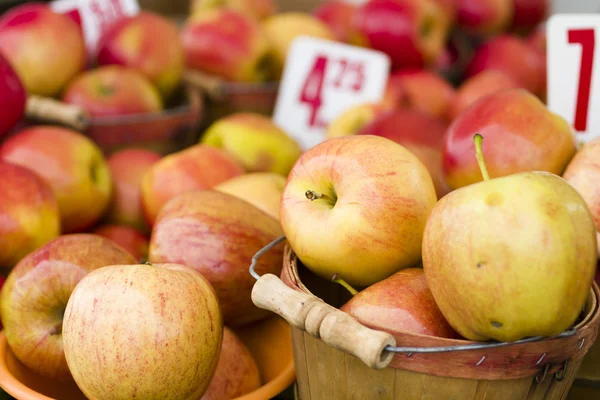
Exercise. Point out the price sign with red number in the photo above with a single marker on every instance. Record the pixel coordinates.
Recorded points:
(322, 79)
(574, 71)
(95, 16)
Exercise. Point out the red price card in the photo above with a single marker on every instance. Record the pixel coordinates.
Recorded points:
(96, 16)
(574, 71)
(322, 79)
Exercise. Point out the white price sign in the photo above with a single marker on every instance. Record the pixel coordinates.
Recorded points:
(574, 71)
(322, 79)
(96, 16)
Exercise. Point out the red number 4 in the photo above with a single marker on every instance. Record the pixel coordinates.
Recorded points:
(587, 40)
(312, 90)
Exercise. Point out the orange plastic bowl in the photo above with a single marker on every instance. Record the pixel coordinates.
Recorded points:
(269, 341)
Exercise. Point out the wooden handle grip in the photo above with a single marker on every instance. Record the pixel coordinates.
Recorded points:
(319, 319)
(51, 110)
(209, 84)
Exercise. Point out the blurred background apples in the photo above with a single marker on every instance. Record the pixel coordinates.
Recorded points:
(13, 99)
(259, 9)
(128, 238)
(484, 17)
(337, 15)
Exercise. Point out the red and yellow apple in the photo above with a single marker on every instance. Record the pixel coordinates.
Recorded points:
(29, 215)
(195, 168)
(149, 43)
(13, 99)
(356, 206)
(113, 90)
(521, 135)
(351, 121)
(337, 15)
(218, 234)
(484, 17)
(127, 237)
(72, 164)
(45, 48)
(37, 290)
(258, 9)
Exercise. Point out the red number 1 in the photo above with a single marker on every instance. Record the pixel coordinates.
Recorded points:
(587, 40)
(312, 90)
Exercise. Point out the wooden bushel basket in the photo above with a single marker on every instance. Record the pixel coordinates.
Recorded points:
(336, 357)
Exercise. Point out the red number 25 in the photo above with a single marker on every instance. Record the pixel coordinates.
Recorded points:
(585, 38)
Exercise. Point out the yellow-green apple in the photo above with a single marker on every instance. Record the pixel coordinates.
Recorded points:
(411, 32)
(261, 189)
(218, 234)
(529, 14)
(28, 213)
(127, 237)
(499, 53)
(478, 86)
(420, 133)
(35, 295)
(258, 9)
(13, 99)
(143, 331)
(351, 121)
(228, 44)
(255, 141)
(356, 206)
(484, 17)
(337, 15)
(283, 28)
(127, 168)
(237, 373)
(400, 303)
(113, 90)
(45, 48)
(511, 257)
(522, 135)
(149, 43)
(72, 164)
(195, 168)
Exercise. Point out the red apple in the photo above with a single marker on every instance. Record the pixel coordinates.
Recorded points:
(111, 91)
(537, 39)
(499, 53)
(228, 44)
(351, 121)
(128, 238)
(127, 168)
(72, 164)
(338, 16)
(149, 43)
(420, 133)
(13, 99)
(411, 32)
(2, 281)
(195, 168)
(521, 135)
(400, 303)
(529, 14)
(218, 234)
(45, 48)
(484, 17)
(28, 213)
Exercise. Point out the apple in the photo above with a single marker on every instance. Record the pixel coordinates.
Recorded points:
(72, 164)
(28, 213)
(283, 28)
(337, 15)
(484, 17)
(499, 53)
(237, 373)
(400, 303)
(218, 234)
(148, 43)
(127, 168)
(529, 14)
(351, 121)
(261, 189)
(478, 86)
(45, 48)
(511, 257)
(411, 32)
(35, 295)
(258, 9)
(143, 331)
(195, 168)
(128, 238)
(255, 141)
(522, 135)
(113, 90)
(356, 206)
(227, 44)
(2, 281)
(420, 133)
(13, 99)
(537, 39)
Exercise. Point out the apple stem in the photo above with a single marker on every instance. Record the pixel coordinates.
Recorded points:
(345, 284)
(312, 195)
(479, 154)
